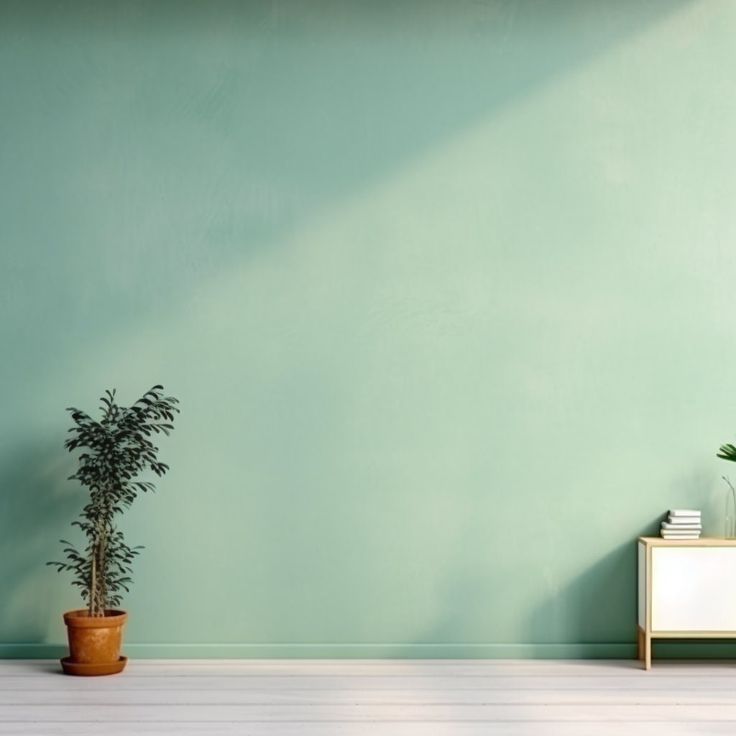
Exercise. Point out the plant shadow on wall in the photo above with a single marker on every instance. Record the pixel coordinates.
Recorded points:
(36, 501)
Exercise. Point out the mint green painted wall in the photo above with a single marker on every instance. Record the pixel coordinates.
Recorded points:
(446, 290)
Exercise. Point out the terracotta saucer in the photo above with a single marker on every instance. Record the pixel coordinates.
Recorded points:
(91, 670)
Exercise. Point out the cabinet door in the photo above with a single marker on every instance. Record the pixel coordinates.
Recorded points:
(694, 589)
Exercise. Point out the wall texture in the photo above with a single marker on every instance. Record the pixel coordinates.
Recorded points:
(446, 290)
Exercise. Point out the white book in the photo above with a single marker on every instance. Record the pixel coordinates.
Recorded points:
(680, 530)
(680, 535)
(681, 527)
(684, 512)
(680, 520)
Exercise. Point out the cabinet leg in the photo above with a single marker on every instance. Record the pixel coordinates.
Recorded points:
(639, 644)
(647, 651)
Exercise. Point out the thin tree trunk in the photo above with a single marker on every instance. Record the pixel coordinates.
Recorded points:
(102, 586)
(93, 586)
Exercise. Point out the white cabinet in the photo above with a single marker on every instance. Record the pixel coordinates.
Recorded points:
(687, 589)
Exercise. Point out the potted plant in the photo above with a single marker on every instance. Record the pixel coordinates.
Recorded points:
(116, 451)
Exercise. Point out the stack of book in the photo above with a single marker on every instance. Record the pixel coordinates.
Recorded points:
(682, 524)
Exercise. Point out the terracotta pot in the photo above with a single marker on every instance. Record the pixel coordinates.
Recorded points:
(95, 640)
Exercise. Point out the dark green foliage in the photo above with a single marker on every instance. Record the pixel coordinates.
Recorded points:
(727, 452)
(117, 449)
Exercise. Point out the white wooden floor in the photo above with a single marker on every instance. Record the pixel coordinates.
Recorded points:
(356, 698)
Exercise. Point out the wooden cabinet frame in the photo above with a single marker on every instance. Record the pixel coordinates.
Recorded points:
(699, 591)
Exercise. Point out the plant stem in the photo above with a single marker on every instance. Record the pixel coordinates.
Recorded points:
(102, 593)
(93, 585)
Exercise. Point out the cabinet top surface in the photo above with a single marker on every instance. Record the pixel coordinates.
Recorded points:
(702, 542)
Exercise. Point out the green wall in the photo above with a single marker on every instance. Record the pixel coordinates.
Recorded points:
(446, 290)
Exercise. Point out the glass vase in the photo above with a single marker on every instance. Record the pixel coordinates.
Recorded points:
(730, 516)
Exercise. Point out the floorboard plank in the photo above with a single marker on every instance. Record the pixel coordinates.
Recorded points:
(195, 680)
(395, 668)
(662, 728)
(306, 713)
(345, 697)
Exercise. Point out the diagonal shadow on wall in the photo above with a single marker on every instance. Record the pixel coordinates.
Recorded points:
(185, 136)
